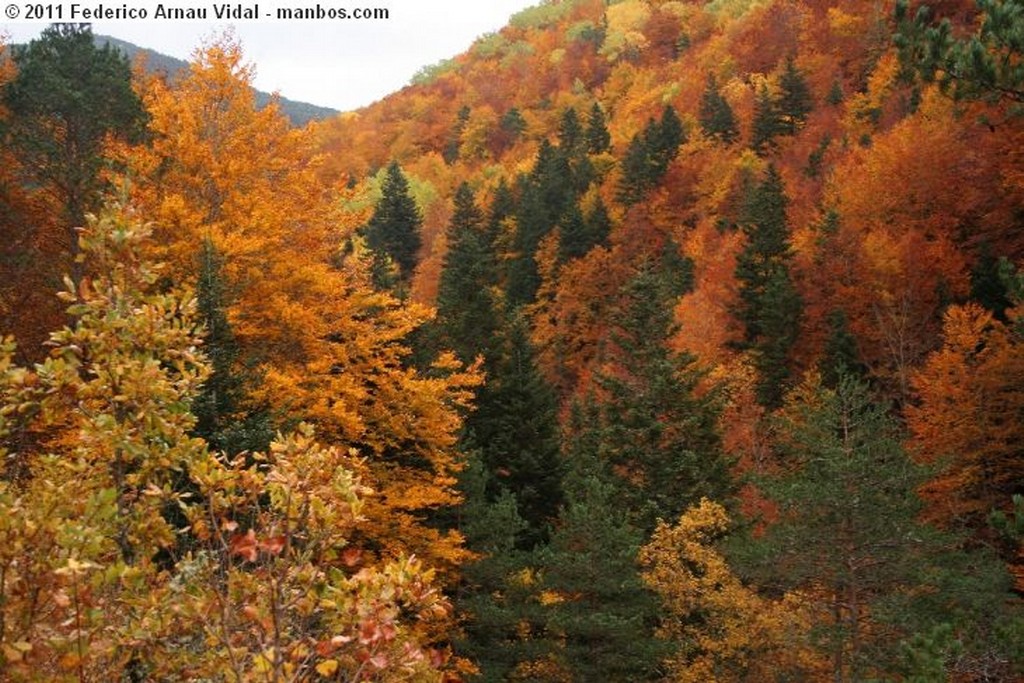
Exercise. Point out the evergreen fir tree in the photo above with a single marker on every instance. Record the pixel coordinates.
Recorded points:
(603, 616)
(502, 622)
(840, 357)
(574, 240)
(636, 172)
(572, 144)
(513, 123)
(599, 223)
(599, 140)
(716, 117)
(570, 132)
(770, 307)
(653, 426)
(795, 101)
(67, 99)
(767, 122)
(503, 207)
(225, 415)
(987, 284)
(649, 155)
(545, 195)
(515, 429)
(394, 229)
(663, 141)
(451, 148)
(466, 309)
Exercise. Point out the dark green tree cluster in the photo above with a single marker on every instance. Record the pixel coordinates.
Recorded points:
(770, 306)
(67, 97)
(986, 65)
(648, 156)
(549, 197)
(393, 232)
(716, 117)
(783, 114)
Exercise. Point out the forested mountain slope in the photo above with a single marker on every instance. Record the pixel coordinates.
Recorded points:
(642, 341)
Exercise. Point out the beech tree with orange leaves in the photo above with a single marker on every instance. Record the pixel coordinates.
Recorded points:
(331, 348)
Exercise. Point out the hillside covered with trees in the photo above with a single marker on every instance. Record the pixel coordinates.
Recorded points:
(644, 341)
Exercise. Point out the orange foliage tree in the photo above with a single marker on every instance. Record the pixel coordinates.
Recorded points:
(332, 349)
(967, 418)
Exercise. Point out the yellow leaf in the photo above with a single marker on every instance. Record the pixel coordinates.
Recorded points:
(327, 667)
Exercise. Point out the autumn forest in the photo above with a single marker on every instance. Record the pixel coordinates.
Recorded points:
(646, 340)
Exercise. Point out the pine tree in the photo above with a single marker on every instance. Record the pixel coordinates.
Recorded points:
(466, 306)
(840, 357)
(502, 622)
(599, 223)
(849, 537)
(663, 141)
(598, 608)
(574, 240)
(599, 140)
(451, 148)
(654, 427)
(988, 286)
(570, 132)
(716, 117)
(795, 101)
(515, 429)
(225, 417)
(394, 229)
(770, 307)
(67, 97)
(649, 154)
(636, 172)
(545, 195)
(767, 122)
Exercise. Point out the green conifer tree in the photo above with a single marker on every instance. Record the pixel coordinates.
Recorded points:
(716, 117)
(848, 530)
(840, 357)
(654, 426)
(599, 140)
(767, 122)
(225, 415)
(393, 231)
(451, 148)
(502, 622)
(68, 96)
(602, 616)
(770, 307)
(636, 172)
(466, 306)
(795, 101)
(515, 429)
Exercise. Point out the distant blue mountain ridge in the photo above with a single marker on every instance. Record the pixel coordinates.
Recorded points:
(300, 113)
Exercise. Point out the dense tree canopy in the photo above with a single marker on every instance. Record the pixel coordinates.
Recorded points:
(642, 341)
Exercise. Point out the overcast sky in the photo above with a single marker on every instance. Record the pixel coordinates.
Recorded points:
(341, 64)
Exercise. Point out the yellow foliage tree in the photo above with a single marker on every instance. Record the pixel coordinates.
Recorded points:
(725, 631)
(129, 552)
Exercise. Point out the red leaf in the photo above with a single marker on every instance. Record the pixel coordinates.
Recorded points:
(274, 545)
(244, 545)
